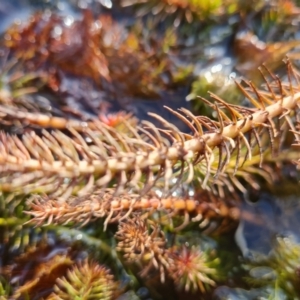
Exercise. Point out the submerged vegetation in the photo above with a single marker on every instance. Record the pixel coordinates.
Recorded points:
(140, 140)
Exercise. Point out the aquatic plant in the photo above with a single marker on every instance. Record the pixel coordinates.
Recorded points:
(278, 270)
(94, 205)
(45, 161)
(61, 164)
(190, 268)
(94, 49)
(86, 281)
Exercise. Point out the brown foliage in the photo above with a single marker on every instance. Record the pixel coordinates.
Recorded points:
(48, 40)
(34, 273)
(92, 48)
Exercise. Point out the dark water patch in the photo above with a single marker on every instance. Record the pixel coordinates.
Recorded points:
(263, 221)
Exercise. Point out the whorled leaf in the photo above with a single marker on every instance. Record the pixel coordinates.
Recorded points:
(86, 280)
(143, 242)
(104, 204)
(94, 154)
(190, 268)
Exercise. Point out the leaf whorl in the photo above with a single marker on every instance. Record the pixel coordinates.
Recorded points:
(95, 154)
(86, 280)
(105, 204)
